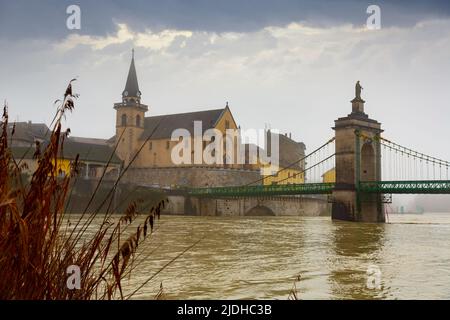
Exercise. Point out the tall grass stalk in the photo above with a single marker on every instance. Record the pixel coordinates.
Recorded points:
(37, 247)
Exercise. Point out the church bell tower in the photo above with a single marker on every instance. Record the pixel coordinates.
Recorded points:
(130, 115)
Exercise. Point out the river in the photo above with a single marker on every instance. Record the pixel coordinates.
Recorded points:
(260, 257)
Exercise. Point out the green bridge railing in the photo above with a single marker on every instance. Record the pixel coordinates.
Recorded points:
(394, 187)
(271, 190)
(403, 187)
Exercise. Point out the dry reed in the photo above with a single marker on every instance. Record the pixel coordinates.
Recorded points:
(37, 247)
(293, 294)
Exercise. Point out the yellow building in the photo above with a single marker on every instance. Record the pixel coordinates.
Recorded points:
(290, 169)
(329, 176)
(285, 176)
(62, 166)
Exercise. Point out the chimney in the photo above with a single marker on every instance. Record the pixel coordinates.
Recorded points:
(290, 135)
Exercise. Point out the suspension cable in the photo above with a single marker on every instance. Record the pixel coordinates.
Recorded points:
(311, 167)
(409, 163)
(291, 164)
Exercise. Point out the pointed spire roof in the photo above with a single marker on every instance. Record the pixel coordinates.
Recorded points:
(132, 86)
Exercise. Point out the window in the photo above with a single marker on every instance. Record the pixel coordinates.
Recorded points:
(167, 144)
(150, 145)
(227, 124)
(138, 121)
(124, 120)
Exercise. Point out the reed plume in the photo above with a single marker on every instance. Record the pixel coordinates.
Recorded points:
(36, 245)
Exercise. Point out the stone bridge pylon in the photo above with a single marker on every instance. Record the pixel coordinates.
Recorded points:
(358, 158)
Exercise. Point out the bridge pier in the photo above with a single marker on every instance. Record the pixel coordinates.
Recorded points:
(358, 158)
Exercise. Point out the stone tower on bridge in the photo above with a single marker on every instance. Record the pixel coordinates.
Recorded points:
(358, 158)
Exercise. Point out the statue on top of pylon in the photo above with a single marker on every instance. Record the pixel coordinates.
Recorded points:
(358, 89)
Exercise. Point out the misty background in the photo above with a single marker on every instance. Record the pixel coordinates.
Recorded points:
(289, 65)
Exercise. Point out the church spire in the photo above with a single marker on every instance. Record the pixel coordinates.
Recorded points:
(132, 86)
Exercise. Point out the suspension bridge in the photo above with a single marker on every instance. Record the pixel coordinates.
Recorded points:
(368, 170)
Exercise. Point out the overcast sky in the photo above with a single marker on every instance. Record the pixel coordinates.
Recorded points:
(289, 64)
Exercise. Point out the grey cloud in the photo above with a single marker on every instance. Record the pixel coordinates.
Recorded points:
(46, 19)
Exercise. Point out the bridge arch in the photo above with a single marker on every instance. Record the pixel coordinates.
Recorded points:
(260, 210)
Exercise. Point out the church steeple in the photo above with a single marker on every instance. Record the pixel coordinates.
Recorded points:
(132, 87)
(131, 95)
(130, 117)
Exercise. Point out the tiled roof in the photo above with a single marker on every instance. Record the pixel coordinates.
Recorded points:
(28, 132)
(87, 152)
(89, 149)
(89, 140)
(161, 127)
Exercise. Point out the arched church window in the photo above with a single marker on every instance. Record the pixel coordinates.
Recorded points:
(124, 120)
(138, 121)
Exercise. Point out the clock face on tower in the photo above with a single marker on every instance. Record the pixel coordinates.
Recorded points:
(125, 93)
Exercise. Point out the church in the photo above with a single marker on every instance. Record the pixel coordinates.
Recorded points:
(144, 143)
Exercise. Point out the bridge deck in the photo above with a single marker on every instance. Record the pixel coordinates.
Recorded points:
(394, 187)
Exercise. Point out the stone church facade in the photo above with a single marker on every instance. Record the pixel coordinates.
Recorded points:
(144, 144)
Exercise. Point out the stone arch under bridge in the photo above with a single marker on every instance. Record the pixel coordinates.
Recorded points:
(259, 210)
(270, 206)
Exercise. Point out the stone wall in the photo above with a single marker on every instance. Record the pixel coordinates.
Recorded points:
(190, 176)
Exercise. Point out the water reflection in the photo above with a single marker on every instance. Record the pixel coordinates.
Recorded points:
(259, 258)
(357, 247)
